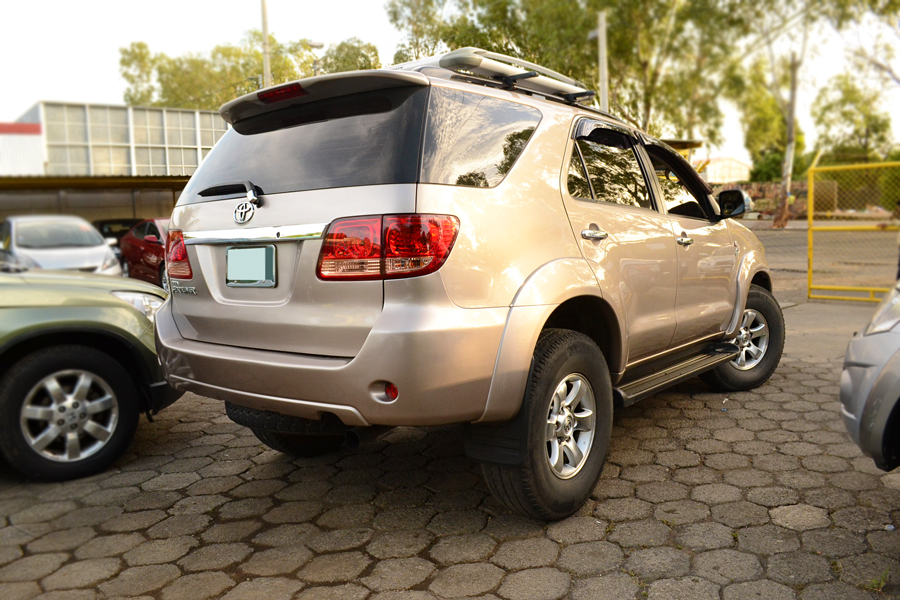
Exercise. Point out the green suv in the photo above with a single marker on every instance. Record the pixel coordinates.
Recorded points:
(78, 365)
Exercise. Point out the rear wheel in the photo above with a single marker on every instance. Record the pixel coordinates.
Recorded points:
(66, 412)
(299, 445)
(760, 342)
(568, 406)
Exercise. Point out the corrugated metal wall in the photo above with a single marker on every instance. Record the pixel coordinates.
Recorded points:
(21, 154)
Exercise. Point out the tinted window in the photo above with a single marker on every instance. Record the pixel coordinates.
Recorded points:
(141, 230)
(4, 236)
(577, 181)
(614, 170)
(680, 192)
(361, 139)
(152, 230)
(473, 140)
(56, 234)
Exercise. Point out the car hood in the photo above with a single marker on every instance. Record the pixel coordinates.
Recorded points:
(66, 280)
(66, 258)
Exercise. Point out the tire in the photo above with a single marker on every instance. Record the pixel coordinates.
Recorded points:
(53, 386)
(542, 487)
(749, 371)
(299, 445)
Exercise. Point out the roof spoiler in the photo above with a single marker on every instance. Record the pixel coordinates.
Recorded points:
(314, 89)
(510, 71)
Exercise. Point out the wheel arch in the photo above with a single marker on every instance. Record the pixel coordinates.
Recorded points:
(561, 294)
(117, 347)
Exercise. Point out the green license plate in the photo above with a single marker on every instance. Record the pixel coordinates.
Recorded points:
(250, 267)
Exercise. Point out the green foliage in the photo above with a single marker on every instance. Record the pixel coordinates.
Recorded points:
(768, 167)
(851, 122)
(350, 55)
(208, 81)
(421, 22)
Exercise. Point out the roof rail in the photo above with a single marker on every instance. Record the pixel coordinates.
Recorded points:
(513, 73)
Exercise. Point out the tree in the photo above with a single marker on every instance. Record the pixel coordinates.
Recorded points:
(764, 125)
(421, 22)
(850, 120)
(350, 55)
(208, 81)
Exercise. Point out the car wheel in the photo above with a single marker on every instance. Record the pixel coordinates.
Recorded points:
(299, 445)
(568, 410)
(163, 277)
(66, 412)
(760, 342)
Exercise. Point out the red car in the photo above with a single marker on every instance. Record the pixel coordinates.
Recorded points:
(144, 250)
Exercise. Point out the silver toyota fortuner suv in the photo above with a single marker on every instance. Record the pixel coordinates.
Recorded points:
(456, 240)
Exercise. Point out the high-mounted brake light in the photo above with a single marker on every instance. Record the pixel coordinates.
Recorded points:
(281, 93)
(389, 247)
(178, 265)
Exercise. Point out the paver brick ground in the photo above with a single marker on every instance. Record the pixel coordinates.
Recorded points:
(705, 495)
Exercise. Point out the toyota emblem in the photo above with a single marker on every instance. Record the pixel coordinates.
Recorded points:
(243, 212)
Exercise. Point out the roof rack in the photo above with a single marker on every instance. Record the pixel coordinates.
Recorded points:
(511, 73)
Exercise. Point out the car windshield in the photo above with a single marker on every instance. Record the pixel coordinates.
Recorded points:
(56, 234)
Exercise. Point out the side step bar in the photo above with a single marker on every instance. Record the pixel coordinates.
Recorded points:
(639, 389)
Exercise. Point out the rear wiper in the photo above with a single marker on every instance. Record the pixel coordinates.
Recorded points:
(235, 187)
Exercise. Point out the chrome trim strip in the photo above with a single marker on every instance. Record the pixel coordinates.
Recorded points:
(286, 233)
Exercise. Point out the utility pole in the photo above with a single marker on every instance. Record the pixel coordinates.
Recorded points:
(267, 68)
(601, 57)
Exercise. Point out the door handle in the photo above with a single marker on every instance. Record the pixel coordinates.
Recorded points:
(594, 235)
(685, 241)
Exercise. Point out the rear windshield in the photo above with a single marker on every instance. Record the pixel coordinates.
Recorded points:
(372, 138)
(56, 234)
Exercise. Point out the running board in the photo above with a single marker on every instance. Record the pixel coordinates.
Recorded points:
(639, 389)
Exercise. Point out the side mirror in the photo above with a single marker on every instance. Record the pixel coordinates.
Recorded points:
(731, 203)
(111, 241)
(151, 239)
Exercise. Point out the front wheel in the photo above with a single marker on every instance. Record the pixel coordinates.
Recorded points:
(66, 412)
(760, 342)
(568, 406)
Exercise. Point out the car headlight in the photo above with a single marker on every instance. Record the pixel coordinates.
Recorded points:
(147, 304)
(887, 315)
(109, 261)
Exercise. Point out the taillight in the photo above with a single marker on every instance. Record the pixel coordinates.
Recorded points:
(388, 247)
(282, 92)
(178, 265)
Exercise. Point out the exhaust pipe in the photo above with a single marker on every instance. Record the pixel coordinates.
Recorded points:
(360, 436)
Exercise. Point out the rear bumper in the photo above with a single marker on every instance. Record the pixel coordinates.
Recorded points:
(440, 357)
(870, 389)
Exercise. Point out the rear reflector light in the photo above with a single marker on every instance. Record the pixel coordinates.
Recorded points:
(178, 265)
(281, 93)
(389, 247)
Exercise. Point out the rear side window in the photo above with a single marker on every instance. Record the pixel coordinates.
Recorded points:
(371, 138)
(473, 140)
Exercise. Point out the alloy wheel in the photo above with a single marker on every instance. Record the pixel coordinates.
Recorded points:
(570, 426)
(752, 340)
(69, 415)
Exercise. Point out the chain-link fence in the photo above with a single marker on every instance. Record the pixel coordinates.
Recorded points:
(853, 218)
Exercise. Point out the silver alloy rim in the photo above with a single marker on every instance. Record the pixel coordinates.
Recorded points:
(69, 415)
(752, 340)
(570, 426)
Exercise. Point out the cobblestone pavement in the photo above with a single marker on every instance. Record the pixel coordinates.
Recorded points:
(704, 496)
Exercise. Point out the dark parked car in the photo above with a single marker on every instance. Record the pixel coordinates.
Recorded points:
(144, 252)
(115, 229)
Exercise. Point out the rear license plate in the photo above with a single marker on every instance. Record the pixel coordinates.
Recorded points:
(250, 267)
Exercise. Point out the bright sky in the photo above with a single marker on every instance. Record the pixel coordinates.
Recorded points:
(68, 51)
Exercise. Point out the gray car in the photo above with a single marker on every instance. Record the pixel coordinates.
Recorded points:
(60, 242)
(870, 385)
